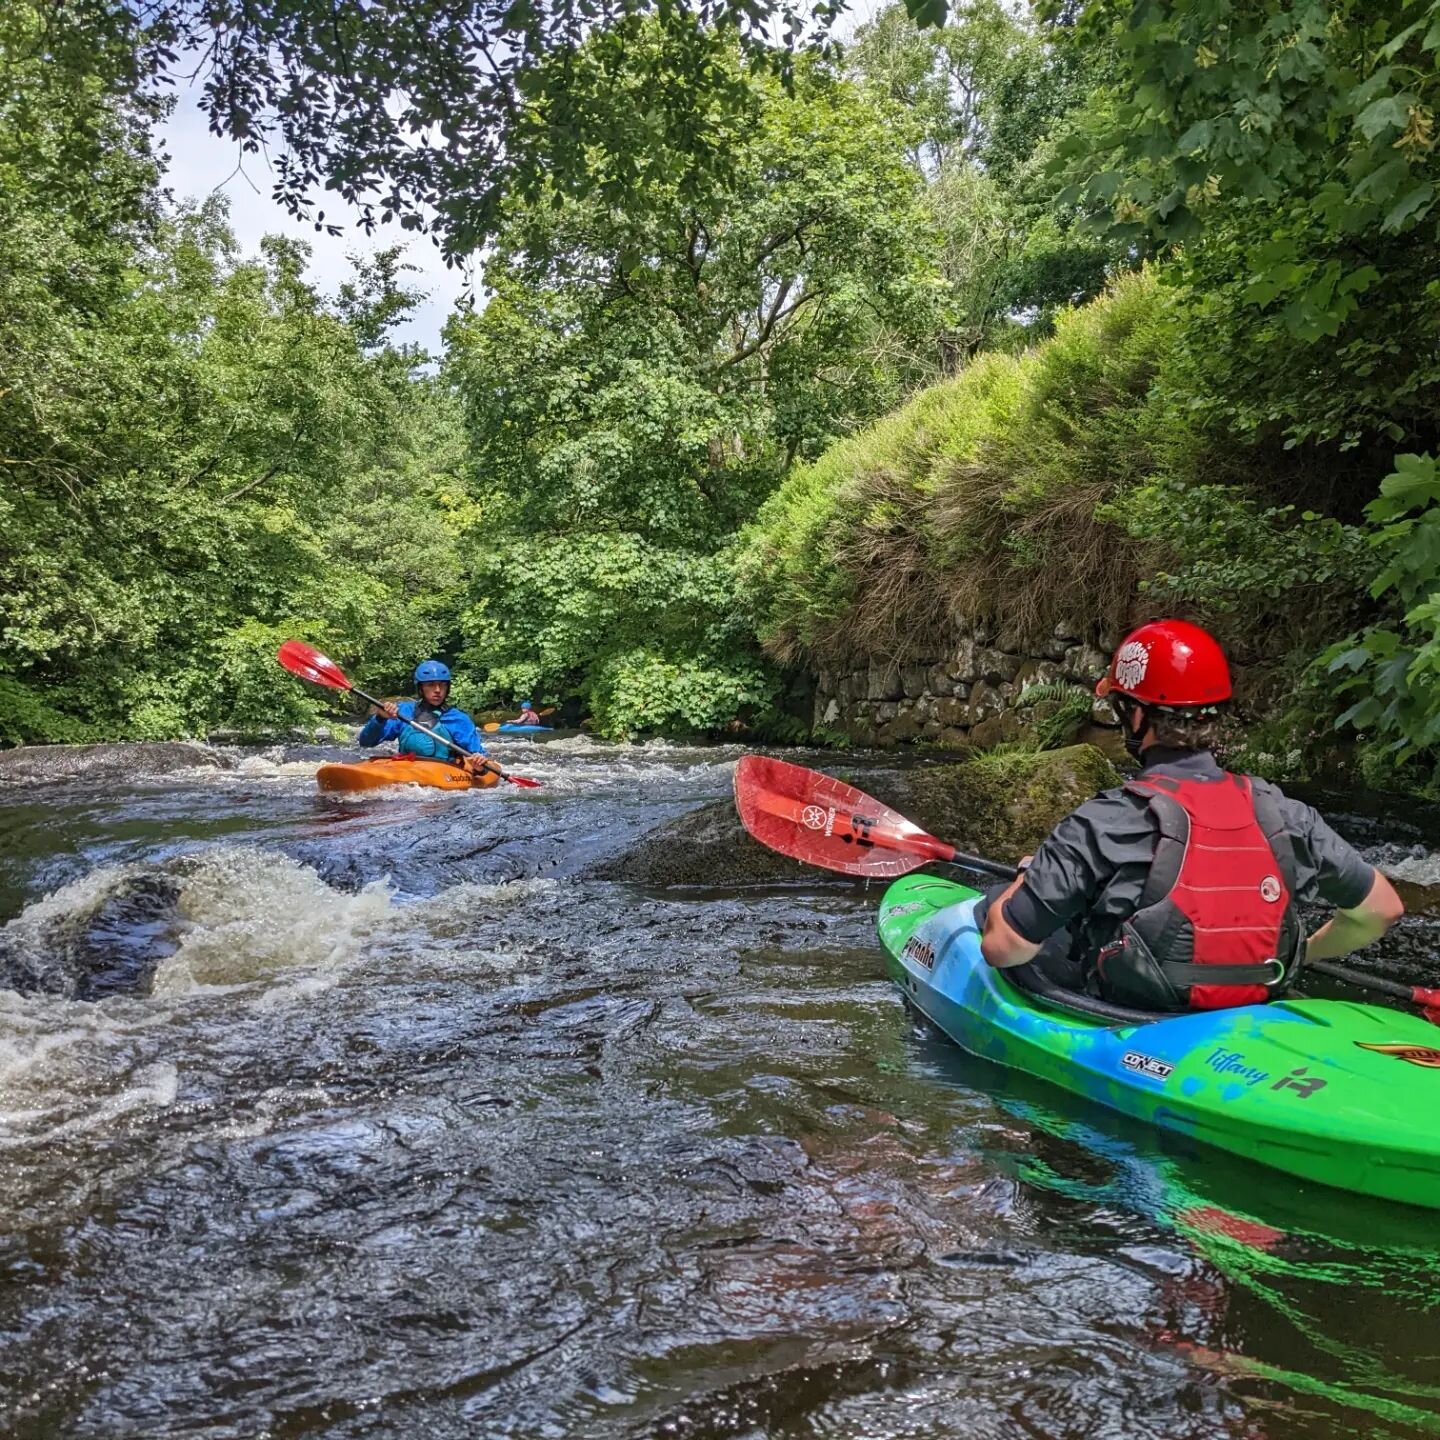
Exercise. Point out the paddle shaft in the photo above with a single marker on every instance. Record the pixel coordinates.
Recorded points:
(1416, 994)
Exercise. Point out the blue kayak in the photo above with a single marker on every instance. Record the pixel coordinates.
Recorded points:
(511, 728)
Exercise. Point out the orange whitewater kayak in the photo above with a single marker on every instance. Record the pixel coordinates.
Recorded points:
(400, 770)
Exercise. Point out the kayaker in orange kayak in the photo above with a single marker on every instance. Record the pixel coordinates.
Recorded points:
(432, 710)
(1180, 889)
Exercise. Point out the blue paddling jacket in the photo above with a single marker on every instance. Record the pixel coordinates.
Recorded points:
(409, 741)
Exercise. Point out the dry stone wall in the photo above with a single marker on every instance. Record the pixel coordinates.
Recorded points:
(964, 698)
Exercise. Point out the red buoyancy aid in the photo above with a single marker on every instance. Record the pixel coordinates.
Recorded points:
(1216, 924)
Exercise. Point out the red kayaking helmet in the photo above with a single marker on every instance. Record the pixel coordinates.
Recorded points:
(1170, 663)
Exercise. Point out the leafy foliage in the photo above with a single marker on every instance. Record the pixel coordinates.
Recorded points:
(1291, 149)
(1391, 671)
(197, 452)
(982, 101)
(637, 385)
(444, 111)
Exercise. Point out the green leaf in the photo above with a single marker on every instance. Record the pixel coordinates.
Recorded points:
(1390, 112)
(1411, 207)
(1197, 137)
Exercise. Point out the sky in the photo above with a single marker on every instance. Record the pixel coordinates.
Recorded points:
(201, 163)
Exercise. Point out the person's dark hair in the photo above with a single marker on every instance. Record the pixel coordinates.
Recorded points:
(1189, 728)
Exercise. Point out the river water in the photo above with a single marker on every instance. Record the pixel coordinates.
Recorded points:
(373, 1116)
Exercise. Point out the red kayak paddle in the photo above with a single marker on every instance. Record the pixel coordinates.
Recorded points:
(823, 821)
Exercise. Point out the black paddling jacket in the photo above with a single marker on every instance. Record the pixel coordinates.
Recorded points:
(1091, 874)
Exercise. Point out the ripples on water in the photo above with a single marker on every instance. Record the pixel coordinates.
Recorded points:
(375, 1117)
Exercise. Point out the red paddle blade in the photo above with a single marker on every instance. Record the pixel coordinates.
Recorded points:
(823, 821)
(309, 664)
(523, 781)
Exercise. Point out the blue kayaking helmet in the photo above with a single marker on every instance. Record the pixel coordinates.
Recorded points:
(524, 704)
(431, 670)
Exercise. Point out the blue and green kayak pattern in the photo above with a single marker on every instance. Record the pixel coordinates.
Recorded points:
(1328, 1090)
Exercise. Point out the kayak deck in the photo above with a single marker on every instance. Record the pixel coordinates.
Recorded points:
(384, 770)
(1328, 1090)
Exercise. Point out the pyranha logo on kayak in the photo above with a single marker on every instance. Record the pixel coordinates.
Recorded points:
(1425, 1055)
(920, 951)
(1232, 1062)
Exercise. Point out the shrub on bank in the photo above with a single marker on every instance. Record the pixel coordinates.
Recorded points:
(981, 499)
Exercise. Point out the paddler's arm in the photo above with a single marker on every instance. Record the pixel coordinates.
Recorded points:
(1362, 925)
(1061, 881)
(1001, 945)
(382, 725)
(1330, 870)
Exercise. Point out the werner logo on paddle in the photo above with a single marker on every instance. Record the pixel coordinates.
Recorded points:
(815, 817)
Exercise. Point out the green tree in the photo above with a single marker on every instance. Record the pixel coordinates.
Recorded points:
(443, 110)
(1291, 150)
(198, 453)
(637, 385)
(982, 101)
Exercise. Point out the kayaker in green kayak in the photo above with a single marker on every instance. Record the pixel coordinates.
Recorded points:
(433, 710)
(1179, 890)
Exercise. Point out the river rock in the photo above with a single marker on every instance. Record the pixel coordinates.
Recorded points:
(708, 847)
(1419, 899)
(997, 805)
(1003, 805)
(66, 762)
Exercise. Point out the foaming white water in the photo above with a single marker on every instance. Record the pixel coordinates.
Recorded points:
(30, 936)
(67, 1068)
(272, 765)
(247, 914)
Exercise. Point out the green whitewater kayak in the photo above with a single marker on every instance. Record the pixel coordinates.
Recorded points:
(1327, 1090)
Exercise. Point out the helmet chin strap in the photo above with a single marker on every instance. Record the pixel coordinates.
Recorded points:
(1134, 739)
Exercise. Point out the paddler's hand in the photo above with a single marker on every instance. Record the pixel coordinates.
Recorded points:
(390, 710)
(479, 764)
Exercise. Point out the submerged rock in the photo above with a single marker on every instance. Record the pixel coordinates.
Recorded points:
(999, 805)
(66, 762)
